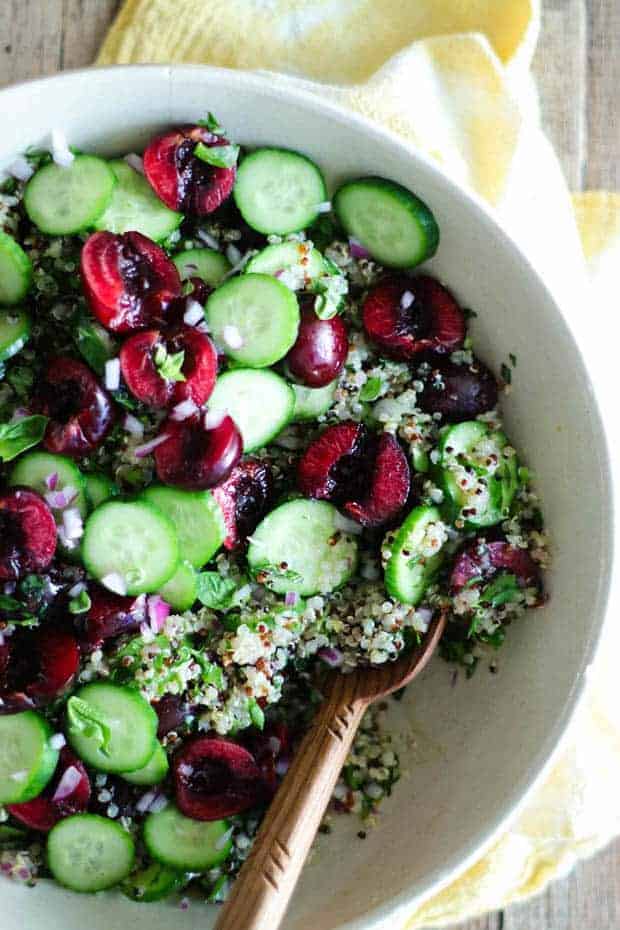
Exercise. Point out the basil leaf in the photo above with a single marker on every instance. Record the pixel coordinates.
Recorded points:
(80, 604)
(94, 344)
(21, 435)
(216, 592)
(212, 124)
(371, 390)
(501, 590)
(88, 721)
(220, 156)
(169, 366)
(9, 603)
(256, 714)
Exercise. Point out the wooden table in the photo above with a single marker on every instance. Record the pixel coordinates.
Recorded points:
(578, 71)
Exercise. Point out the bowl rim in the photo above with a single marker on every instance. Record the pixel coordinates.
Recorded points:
(301, 94)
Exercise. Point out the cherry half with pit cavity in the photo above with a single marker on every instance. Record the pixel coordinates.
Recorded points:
(68, 793)
(481, 560)
(38, 668)
(244, 498)
(108, 616)
(320, 350)
(128, 280)
(458, 392)
(365, 474)
(144, 357)
(181, 179)
(81, 411)
(404, 316)
(27, 533)
(194, 456)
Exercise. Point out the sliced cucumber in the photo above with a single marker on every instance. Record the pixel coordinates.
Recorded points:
(153, 772)
(478, 482)
(197, 519)
(207, 264)
(416, 555)
(254, 318)
(396, 227)
(63, 201)
(311, 403)
(153, 883)
(299, 547)
(133, 540)
(279, 191)
(304, 264)
(260, 402)
(111, 727)
(15, 271)
(33, 469)
(182, 843)
(508, 472)
(89, 853)
(135, 206)
(94, 343)
(182, 589)
(99, 488)
(14, 332)
(27, 760)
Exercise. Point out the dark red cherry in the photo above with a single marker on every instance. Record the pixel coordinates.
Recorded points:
(367, 475)
(41, 666)
(320, 351)
(194, 457)
(171, 712)
(147, 380)
(68, 793)
(244, 497)
(217, 778)
(108, 616)
(479, 561)
(458, 392)
(27, 533)
(129, 281)
(405, 316)
(183, 181)
(80, 410)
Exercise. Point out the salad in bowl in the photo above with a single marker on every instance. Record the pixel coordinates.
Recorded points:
(242, 437)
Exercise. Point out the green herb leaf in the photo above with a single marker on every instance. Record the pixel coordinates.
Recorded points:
(371, 390)
(80, 604)
(503, 589)
(212, 124)
(469, 314)
(169, 366)
(513, 359)
(9, 603)
(506, 373)
(256, 714)
(88, 721)
(94, 344)
(216, 592)
(11, 837)
(21, 435)
(220, 156)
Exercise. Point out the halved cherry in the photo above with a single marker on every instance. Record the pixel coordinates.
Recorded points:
(145, 379)
(367, 475)
(458, 392)
(108, 616)
(41, 667)
(183, 181)
(244, 498)
(171, 712)
(481, 560)
(129, 281)
(320, 349)
(67, 793)
(27, 533)
(217, 778)
(272, 749)
(195, 457)
(405, 316)
(80, 410)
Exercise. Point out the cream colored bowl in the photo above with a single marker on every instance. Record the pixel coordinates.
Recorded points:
(470, 752)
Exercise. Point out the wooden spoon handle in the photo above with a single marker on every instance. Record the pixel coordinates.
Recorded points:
(262, 891)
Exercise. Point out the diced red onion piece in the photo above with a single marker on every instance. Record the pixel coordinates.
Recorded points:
(208, 239)
(291, 598)
(331, 656)
(185, 409)
(214, 418)
(141, 451)
(56, 499)
(158, 804)
(77, 589)
(159, 611)
(71, 778)
(115, 582)
(145, 801)
(406, 300)
(282, 766)
(51, 481)
(18, 414)
(133, 425)
(72, 523)
(21, 169)
(134, 161)
(194, 312)
(203, 328)
(233, 254)
(186, 770)
(357, 249)
(112, 376)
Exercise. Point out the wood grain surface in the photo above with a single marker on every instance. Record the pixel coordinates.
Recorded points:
(577, 68)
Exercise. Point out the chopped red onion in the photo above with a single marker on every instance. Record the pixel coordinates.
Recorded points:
(148, 447)
(133, 425)
(61, 153)
(357, 249)
(9, 587)
(324, 207)
(56, 500)
(158, 804)
(345, 525)
(72, 522)
(21, 169)
(184, 904)
(186, 770)
(279, 272)
(406, 300)
(425, 614)
(145, 801)
(214, 418)
(233, 254)
(331, 656)
(77, 589)
(135, 161)
(112, 377)
(282, 766)
(194, 312)
(159, 611)
(115, 582)
(291, 598)
(185, 409)
(208, 239)
(71, 778)
(18, 414)
(203, 328)
(57, 741)
(51, 481)
(232, 337)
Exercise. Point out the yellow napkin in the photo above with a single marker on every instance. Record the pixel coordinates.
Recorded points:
(452, 77)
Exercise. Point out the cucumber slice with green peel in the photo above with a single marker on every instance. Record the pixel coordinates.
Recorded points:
(207, 264)
(63, 201)
(254, 318)
(260, 402)
(15, 271)
(33, 469)
(95, 344)
(508, 472)
(182, 589)
(183, 843)
(99, 488)
(311, 403)
(420, 459)
(196, 517)
(153, 883)
(279, 191)
(111, 727)
(153, 772)
(416, 555)
(299, 547)
(304, 265)
(27, 760)
(459, 441)
(14, 332)
(396, 227)
(133, 541)
(89, 853)
(135, 206)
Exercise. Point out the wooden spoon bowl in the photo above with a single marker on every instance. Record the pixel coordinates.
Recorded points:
(264, 887)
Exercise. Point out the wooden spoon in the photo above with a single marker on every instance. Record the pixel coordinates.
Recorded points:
(263, 888)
